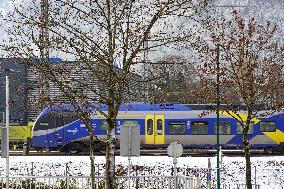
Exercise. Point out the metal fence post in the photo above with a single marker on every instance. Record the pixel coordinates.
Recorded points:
(67, 183)
(98, 180)
(137, 179)
(32, 173)
(255, 177)
(67, 176)
(32, 170)
(175, 173)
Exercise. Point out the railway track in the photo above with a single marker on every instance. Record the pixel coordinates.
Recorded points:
(153, 152)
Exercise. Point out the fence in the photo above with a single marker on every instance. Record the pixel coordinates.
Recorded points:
(272, 178)
(238, 186)
(270, 175)
(84, 182)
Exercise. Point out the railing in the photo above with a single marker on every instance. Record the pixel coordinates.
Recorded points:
(84, 182)
(239, 186)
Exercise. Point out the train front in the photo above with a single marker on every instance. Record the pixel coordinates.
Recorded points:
(54, 129)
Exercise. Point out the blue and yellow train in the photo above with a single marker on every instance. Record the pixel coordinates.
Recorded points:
(159, 124)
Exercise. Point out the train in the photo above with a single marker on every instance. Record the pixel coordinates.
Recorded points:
(19, 134)
(160, 124)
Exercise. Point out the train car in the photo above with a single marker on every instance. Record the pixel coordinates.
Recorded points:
(19, 134)
(160, 124)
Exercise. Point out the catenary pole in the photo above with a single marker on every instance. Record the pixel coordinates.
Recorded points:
(218, 116)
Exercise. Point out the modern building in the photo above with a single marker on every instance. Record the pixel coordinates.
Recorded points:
(27, 87)
(17, 72)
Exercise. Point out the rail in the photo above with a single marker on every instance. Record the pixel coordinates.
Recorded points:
(84, 182)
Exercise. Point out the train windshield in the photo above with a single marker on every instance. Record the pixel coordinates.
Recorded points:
(54, 120)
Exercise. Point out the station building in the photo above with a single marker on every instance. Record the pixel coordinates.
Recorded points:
(26, 87)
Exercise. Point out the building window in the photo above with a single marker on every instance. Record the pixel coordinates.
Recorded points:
(225, 127)
(177, 128)
(240, 128)
(199, 128)
(267, 126)
(149, 127)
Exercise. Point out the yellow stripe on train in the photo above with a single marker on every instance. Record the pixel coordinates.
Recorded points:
(277, 136)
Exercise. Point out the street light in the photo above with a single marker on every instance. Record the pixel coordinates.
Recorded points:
(5, 129)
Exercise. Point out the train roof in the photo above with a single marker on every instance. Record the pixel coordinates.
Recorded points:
(123, 107)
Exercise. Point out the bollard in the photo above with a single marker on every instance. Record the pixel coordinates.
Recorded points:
(24, 149)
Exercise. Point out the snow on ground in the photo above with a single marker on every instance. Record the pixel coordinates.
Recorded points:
(269, 170)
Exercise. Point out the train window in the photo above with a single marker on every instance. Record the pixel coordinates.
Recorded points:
(130, 122)
(159, 127)
(54, 120)
(149, 127)
(267, 126)
(102, 125)
(177, 128)
(240, 128)
(225, 127)
(64, 118)
(199, 128)
(69, 118)
(59, 121)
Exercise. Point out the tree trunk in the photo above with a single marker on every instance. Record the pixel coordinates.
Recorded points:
(93, 184)
(247, 157)
(110, 161)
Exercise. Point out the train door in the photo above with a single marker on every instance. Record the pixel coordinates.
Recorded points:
(59, 132)
(50, 130)
(53, 135)
(154, 129)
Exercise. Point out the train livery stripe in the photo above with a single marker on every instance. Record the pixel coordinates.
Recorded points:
(240, 117)
(277, 136)
(237, 139)
(121, 115)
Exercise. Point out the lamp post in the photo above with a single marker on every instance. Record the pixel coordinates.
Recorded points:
(218, 116)
(5, 129)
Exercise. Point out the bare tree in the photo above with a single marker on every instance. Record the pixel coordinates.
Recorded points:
(173, 80)
(108, 37)
(251, 70)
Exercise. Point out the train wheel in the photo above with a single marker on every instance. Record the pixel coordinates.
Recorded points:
(73, 148)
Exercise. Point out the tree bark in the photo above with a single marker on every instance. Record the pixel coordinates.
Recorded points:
(248, 164)
(110, 164)
(93, 185)
(246, 147)
(110, 156)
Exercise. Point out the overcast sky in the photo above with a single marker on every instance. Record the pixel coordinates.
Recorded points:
(2, 3)
(267, 9)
